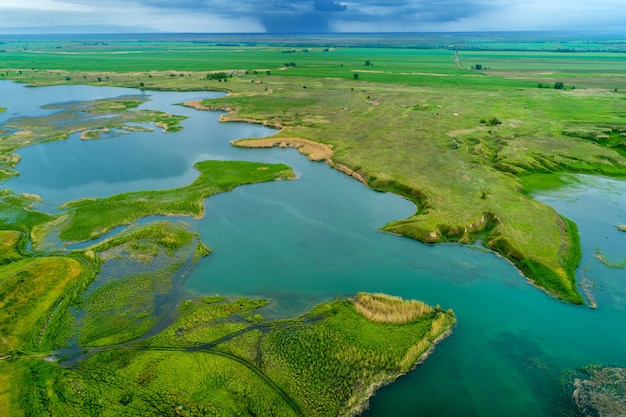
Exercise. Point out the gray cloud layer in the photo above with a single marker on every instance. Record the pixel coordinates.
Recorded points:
(316, 15)
(320, 15)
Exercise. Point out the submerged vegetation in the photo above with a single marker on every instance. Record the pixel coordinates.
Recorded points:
(91, 119)
(600, 391)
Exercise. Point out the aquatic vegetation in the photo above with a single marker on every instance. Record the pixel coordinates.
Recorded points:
(17, 211)
(384, 308)
(611, 264)
(392, 129)
(600, 391)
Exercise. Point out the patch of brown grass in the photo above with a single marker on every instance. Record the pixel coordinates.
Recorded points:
(382, 308)
(313, 150)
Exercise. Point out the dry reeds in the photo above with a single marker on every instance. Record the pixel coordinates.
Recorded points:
(315, 151)
(382, 308)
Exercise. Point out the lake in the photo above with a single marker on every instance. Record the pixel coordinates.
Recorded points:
(305, 241)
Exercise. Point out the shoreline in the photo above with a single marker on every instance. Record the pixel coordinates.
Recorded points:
(370, 391)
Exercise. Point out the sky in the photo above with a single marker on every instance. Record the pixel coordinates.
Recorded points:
(316, 16)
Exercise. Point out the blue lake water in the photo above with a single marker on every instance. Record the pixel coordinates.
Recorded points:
(313, 239)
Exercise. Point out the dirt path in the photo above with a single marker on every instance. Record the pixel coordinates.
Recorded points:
(457, 60)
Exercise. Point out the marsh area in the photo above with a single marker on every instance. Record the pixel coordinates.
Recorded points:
(301, 242)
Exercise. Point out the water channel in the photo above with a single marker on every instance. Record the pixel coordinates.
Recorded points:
(315, 238)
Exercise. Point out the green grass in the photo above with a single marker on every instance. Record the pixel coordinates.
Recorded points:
(394, 126)
(17, 212)
(31, 290)
(211, 361)
(464, 192)
(148, 262)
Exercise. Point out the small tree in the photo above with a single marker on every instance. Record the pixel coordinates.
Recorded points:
(356, 76)
(368, 63)
(559, 85)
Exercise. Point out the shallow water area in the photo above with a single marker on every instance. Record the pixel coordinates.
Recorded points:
(315, 238)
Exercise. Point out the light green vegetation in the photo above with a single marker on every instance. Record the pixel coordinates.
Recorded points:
(600, 391)
(32, 290)
(324, 362)
(90, 218)
(621, 227)
(416, 122)
(212, 361)
(17, 212)
(3, 109)
(393, 144)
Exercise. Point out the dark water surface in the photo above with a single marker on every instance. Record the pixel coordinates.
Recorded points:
(310, 240)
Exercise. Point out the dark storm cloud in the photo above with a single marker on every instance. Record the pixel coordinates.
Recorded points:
(317, 15)
(329, 6)
(285, 6)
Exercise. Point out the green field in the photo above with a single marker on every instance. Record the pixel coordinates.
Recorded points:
(468, 146)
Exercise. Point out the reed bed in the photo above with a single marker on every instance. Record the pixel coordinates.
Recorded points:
(382, 308)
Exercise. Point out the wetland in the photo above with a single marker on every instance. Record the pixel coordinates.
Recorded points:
(277, 250)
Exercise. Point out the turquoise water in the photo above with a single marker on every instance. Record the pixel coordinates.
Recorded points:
(313, 239)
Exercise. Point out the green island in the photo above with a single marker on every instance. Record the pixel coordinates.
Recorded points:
(466, 132)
